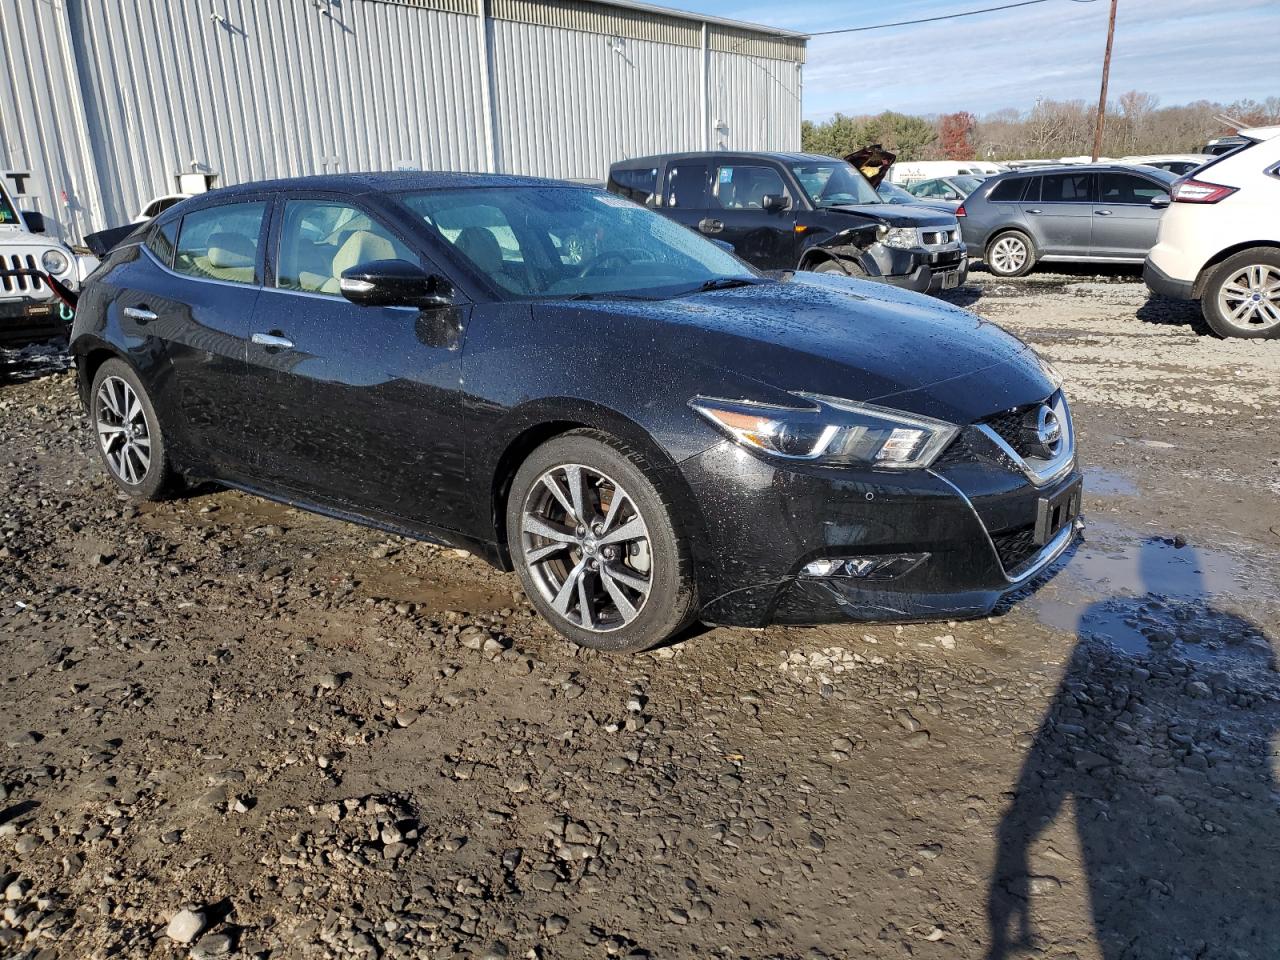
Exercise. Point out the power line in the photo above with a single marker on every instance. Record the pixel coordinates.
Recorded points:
(947, 16)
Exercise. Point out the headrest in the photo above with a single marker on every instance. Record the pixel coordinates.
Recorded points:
(480, 246)
(230, 250)
(363, 246)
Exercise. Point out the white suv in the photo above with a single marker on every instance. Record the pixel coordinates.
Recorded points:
(28, 308)
(1219, 241)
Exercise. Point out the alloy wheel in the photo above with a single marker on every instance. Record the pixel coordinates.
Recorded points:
(1008, 254)
(123, 431)
(586, 547)
(1250, 298)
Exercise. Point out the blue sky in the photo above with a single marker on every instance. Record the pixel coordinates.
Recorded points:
(1178, 50)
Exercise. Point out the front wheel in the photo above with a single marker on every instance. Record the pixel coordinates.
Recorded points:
(1242, 295)
(843, 269)
(1010, 254)
(596, 544)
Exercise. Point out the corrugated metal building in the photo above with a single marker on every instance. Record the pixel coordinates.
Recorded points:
(106, 102)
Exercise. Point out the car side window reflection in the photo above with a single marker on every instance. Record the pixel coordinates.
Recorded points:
(1125, 188)
(1065, 188)
(687, 186)
(221, 243)
(319, 240)
(744, 187)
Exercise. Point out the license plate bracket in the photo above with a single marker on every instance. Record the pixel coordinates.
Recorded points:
(1056, 512)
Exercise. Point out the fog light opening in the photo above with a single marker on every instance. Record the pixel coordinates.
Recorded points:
(883, 567)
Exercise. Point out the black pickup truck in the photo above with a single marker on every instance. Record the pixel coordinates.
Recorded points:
(796, 211)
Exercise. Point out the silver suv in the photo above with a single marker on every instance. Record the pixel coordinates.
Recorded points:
(1086, 213)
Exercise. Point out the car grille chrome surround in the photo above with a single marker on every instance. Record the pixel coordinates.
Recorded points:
(933, 237)
(1006, 430)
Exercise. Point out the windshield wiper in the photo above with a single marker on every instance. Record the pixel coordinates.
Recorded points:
(606, 296)
(727, 283)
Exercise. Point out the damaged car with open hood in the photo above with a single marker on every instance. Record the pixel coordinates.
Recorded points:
(649, 431)
(798, 211)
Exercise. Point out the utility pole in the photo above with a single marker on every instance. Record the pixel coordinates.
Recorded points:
(1102, 97)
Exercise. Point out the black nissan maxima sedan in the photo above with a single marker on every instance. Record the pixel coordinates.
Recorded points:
(646, 429)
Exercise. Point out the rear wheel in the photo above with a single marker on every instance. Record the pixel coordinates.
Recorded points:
(1242, 295)
(1010, 254)
(128, 432)
(596, 545)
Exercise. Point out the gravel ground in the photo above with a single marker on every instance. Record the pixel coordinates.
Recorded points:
(233, 729)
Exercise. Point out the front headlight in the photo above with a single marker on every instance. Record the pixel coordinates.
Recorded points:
(55, 262)
(831, 431)
(902, 238)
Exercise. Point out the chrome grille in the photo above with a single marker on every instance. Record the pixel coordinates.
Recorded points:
(18, 283)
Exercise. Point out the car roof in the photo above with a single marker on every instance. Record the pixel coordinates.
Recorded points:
(386, 182)
(1074, 168)
(657, 158)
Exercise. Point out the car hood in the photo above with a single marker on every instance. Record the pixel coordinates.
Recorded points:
(846, 338)
(897, 214)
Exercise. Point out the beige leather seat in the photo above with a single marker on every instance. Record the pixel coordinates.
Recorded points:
(230, 256)
(363, 246)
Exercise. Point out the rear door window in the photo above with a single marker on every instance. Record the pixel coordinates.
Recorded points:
(1008, 191)
(221, 243)
(637, 185)
(687, 186)
(319, 240)
(1065, 188)
(160, 241)
(744, 186)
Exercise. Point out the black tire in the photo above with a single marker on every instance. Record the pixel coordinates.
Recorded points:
(1261, 317)
(670, 602)
(1017, 263)
(126, 469)
(836, 266)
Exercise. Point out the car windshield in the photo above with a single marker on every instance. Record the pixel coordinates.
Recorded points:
(567, 242)
(833, 183)
(966, 185)
(8, 215)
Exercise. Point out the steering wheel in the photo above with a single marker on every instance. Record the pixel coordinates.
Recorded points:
(623, 256)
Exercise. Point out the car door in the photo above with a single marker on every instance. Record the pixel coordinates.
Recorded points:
(200, 306)
(684, 195)
(1061, 213)
(756, 214)
(357, 406)
(1126, 216)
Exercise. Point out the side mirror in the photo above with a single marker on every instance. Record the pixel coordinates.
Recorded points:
(1161, 200)
(951, 195)
(775, 202)
(34, 220)
(394, 283)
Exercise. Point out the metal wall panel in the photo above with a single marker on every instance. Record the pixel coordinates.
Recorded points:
(569, 103)
(42, 121)
(106, 102)
(755, 102)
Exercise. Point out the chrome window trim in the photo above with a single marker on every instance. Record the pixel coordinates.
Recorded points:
(1042, 472)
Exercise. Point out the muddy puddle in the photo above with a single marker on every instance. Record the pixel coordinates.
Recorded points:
(1109, 483)
(1153, 595)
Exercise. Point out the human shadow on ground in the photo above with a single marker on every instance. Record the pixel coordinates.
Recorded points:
(1163, 756)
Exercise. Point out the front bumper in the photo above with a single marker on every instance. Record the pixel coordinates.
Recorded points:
(764, 523)
(27, 320)
(1161, 283)
(922, 270)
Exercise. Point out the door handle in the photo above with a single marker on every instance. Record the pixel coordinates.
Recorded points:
(272, 341)
(1033, 211)
(141, 314)
(710, 226)
(1103, 213)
